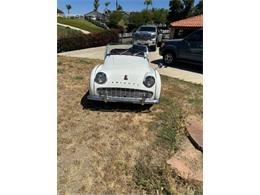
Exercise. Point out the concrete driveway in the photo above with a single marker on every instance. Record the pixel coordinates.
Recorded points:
(74, 28)
(186, 72)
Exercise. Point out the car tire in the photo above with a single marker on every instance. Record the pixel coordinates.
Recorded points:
(168, 58)
(153, 48)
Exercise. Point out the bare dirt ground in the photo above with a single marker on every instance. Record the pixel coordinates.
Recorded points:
(113, 149)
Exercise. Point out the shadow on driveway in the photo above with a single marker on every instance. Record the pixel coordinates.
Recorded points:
(182, 66)
(112, 107)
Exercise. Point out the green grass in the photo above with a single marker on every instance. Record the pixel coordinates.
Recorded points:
(65, 32)
(151, 174)
(80, 23)
(60, 71)
(78, 77)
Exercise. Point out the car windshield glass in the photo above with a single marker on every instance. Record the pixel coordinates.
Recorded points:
(147, 29)
(132, 50)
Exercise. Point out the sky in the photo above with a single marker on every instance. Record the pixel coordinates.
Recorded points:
(85, 6)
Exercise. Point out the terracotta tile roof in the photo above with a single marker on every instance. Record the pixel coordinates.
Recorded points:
(195, 21)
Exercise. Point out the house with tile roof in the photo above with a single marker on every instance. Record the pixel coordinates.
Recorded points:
(95, 15)
(60, 13)
(182, 28)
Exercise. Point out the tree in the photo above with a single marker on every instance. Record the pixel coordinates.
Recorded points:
(136, 19)
(115, 18)
(68, 6)
(107, 11)
(147, 3)
(159, 16)
(119, 8)
(197, 9)
(180, 9)
(187, 7)
(148, 16)
(107, 3)
(116, 4)
(96, 5)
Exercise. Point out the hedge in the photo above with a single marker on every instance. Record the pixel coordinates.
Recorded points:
(88, 40)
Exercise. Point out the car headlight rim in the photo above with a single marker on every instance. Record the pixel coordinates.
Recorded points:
(149, 81)
(100, 78)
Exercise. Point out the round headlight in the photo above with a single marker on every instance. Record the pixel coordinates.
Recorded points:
(149, 81)
(100, 78)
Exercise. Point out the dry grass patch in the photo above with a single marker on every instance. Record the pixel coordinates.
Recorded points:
(119, 152)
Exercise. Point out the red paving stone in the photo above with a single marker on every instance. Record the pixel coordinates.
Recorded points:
(187, 162)
(195, 131)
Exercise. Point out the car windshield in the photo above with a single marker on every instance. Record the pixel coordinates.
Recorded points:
(132, 50)
(147, 29)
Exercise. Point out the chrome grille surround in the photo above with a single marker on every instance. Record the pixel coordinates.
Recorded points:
(124, 93)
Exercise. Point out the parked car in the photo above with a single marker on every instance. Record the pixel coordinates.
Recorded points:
(147, 35)
(125, 76)
(189, 49)
(164, 33)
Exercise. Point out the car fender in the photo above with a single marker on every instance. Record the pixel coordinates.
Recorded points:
(172, 49)
(92, 77)
(158, 85)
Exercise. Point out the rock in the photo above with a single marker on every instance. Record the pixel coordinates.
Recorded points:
(195, 131)
(187, 162)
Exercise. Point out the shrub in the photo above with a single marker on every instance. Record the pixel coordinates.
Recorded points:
(87, 41)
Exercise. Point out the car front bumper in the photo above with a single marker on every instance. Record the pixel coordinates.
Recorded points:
(145, 42)
(122, 99)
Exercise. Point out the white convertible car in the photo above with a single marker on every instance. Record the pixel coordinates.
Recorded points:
(125, 76)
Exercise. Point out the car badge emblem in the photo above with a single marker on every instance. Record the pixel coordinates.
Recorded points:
(126, 77)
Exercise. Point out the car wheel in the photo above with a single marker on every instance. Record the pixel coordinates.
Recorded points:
(153, 48)
(168, 58)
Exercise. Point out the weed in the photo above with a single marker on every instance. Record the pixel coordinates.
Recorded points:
(78, 77)
(60, 71)
(152, 179)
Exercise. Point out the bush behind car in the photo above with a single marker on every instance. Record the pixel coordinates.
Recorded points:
(88, 40)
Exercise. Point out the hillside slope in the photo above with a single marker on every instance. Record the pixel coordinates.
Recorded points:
(79, 23)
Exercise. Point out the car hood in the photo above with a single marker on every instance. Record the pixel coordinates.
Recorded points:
(118, 67)
(174, 41)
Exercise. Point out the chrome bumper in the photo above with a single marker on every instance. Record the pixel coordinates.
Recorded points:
(145, 42)
(123, 99)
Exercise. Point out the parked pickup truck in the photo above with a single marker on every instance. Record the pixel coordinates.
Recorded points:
(146, 35)
(189, 49)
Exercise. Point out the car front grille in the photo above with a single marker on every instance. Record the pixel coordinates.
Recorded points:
(143, 37)
(124, 93)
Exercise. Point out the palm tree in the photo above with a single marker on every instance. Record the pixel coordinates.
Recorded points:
(119, 8)
(68, 6)
(147, 3)
(107, 3)
(96, 5)
(116, 4)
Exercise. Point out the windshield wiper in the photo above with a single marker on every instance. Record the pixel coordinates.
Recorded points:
(138, 53)
(124, 51)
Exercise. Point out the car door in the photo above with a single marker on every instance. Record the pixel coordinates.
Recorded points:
(194, 47)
